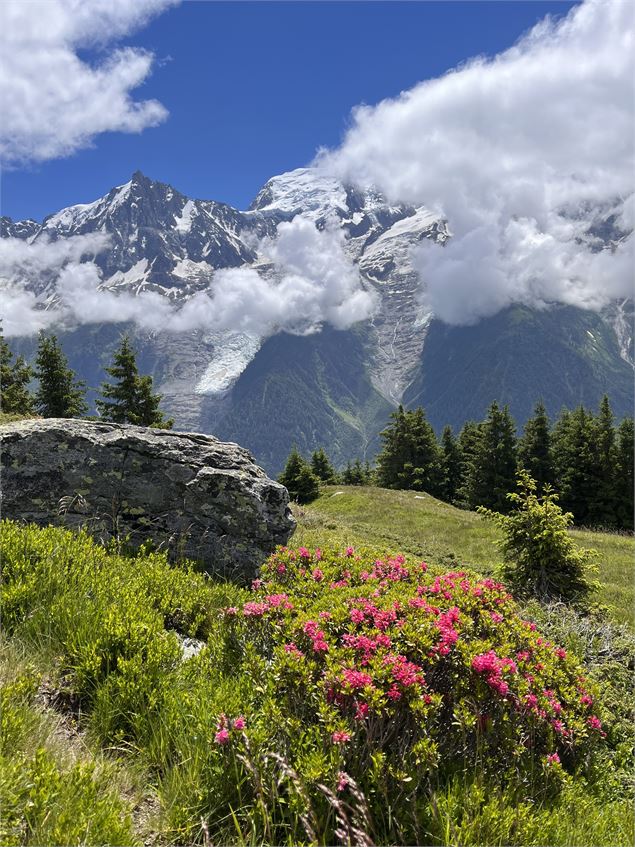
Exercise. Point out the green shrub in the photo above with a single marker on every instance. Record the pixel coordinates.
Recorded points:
(540, 558)
(374, 682)
(43, 799)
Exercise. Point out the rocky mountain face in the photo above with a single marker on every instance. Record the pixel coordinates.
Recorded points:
(333, 388)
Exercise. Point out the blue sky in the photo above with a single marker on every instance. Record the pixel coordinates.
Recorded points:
(253, 89)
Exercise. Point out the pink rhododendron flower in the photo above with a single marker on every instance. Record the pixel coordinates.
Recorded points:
(303, 553)
(341, 737)
(342, 781)
(586, 700)
(560, 653)
(594, 722)
(350, 551)
(496, 617)
(230, 611)
(318, 554)
(553, 759)
(222, 736)
(239, 722)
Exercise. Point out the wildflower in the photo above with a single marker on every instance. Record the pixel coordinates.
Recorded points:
(586, 700)
(594, 722)
(342, 781)
(340, 737)
(222, 736)
(318, 554)
(303, 553)
(239, 722)
(560, 653)
(230, 611)
(350, 551)
(496, 618)
(553, 759)
(362, 711)
(317, 575)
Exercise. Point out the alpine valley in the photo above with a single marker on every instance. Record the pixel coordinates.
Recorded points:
(332, 388)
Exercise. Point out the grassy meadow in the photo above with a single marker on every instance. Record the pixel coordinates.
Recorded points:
(112, 735)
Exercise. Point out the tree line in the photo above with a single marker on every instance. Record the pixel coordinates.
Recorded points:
(127, 398)
(583, 456)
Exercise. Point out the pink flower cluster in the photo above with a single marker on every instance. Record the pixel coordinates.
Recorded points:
(493, 667)
(317, 636)
(445, 625)
(224, 726)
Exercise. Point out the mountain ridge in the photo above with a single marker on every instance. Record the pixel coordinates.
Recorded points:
(165, 242)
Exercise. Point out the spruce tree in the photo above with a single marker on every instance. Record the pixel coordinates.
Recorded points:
(322, 467)
(15, 398)
(575, 462)
(602, 505)
(468, 442)
(493, 469)
(534, 448)
(298, 478)
(130, 398)
(452, 465)
(410, 457)
(60, 394)
(624, 481)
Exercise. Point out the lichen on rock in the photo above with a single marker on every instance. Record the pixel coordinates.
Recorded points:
(189, 493)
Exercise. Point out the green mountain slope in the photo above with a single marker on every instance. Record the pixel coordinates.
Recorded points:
(310, 391)
(564, 355)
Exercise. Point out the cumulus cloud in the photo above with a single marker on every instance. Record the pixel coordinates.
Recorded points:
(52, 101)
(311, 282)
(522, 154)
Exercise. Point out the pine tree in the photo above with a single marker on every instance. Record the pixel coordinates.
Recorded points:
(534, 448)
(15, 398)
(60, 394)
(575, 463)
(602, 505)
(452, 465)
(299, 480)
(540, 557)
(130, 399)
(624, 481)
(468, 441)
(322, 467)
(410, 457)
(493, 468)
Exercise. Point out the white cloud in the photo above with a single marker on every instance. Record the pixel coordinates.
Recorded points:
(521, 153)
(52, 101)
(314, 283)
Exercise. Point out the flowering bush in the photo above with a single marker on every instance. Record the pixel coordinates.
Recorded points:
(402, 675)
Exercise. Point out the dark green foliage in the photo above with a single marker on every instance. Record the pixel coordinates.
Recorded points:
(452, 466)
(130, 398)
(322, 467)
(624, 482)
(15, 398)
(541, 559)
(492, 467)
(357, 474)
(299, 480)
(410, 457)
(60, 394)
(564, 355)
(602, 506)
(534, 448)
(574, 453)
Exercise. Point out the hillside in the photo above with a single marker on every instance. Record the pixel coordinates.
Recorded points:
(144, 703)
(417, 524)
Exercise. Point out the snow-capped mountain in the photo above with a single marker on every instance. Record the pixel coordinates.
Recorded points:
(334, 389)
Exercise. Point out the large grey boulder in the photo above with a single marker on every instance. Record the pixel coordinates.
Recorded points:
(191, 494)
